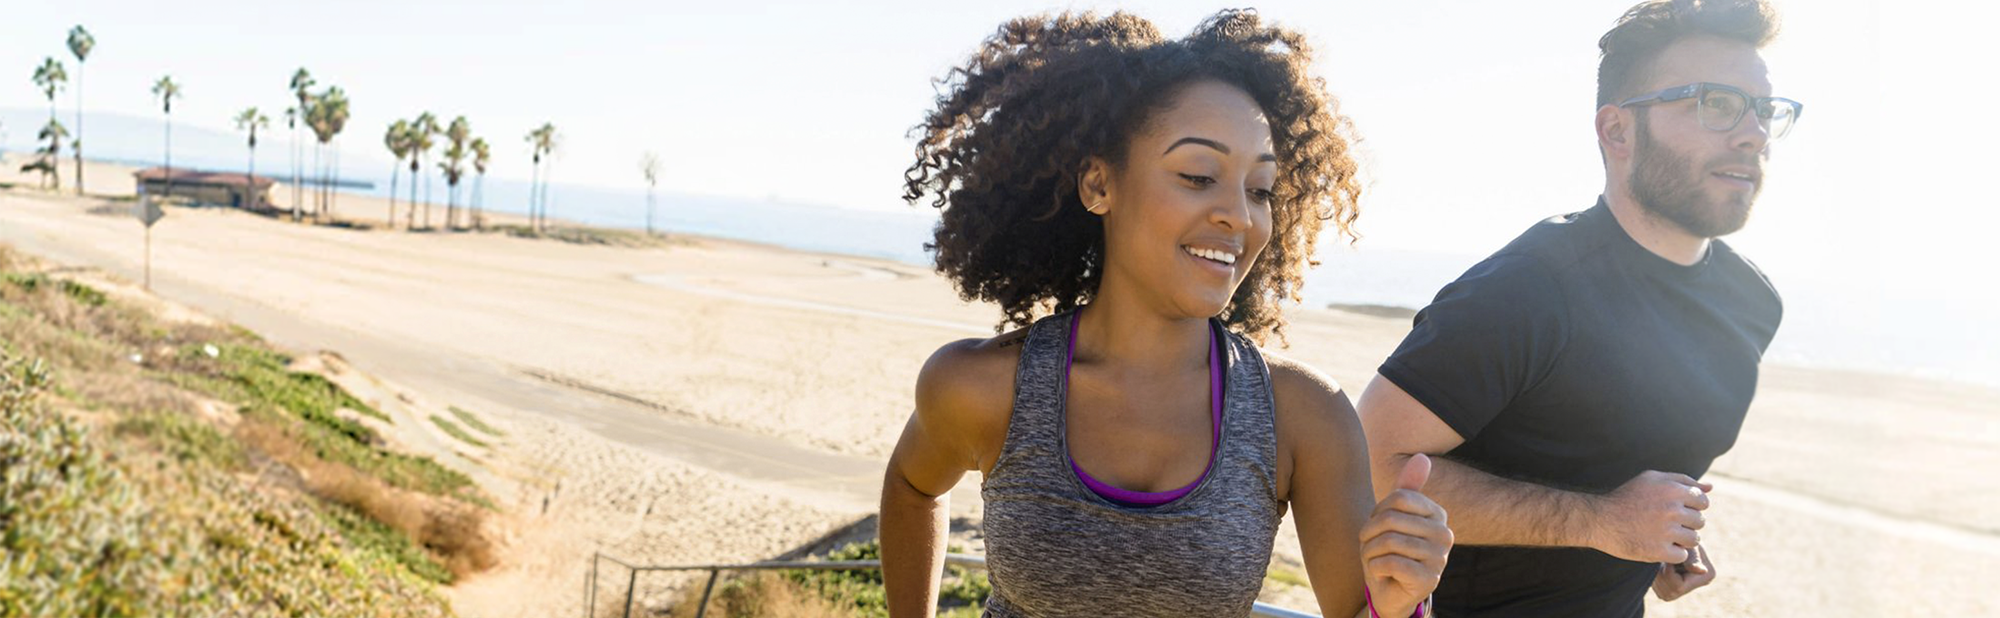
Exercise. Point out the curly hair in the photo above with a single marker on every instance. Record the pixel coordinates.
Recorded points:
(1016, 124)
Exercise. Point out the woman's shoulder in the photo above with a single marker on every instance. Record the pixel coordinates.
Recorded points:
(1310, 405)
(1293, 379)
(1316, 423)
(969, 384)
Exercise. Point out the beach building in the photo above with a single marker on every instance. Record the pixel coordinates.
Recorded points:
(212, 188)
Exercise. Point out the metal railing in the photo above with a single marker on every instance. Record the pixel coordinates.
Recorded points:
(1260, 610)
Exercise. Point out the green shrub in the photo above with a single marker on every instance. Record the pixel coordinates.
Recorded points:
(86, 535)
(187, 439)
(474, 422)
(453, 429)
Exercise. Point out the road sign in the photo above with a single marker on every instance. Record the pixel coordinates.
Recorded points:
(148, 211)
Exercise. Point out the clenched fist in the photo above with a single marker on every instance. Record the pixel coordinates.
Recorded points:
(1655, 517)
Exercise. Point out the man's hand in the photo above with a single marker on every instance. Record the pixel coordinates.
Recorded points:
(1676, 580)
(1655, 517)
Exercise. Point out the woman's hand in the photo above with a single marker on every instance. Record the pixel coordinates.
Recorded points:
(1404, 544)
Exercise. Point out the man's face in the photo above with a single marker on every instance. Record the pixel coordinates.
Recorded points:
(1698, 178)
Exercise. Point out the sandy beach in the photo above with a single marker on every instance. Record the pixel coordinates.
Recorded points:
(1847, 494)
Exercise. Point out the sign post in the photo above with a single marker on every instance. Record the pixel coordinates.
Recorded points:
(149, 213)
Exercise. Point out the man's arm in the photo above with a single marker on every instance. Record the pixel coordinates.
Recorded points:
(1652, 518)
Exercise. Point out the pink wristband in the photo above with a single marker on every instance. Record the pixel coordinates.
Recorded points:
(1371, 605)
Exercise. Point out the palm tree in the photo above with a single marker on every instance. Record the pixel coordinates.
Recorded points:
(398, 141)
(649, 164)
(302, 82)
(292, 117)
(166, 91)
(80, 43)
(534, 183)
(251, 120)
(315, 121)
(416, 147)
(453, 166)
(481, 156)
(543, 140)
(50, 77)
(327, 117)
(427, 132)
(45, 160)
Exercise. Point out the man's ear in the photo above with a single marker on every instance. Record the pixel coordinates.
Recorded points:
(1093, 185)
(1615, 132)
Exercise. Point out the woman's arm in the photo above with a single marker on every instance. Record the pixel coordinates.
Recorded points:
(951, 432)
(1396, 547)
(915, 500)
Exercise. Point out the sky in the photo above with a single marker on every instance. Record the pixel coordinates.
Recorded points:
(1475, 115)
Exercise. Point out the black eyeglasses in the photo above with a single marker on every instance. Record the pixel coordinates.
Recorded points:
(1721, 107)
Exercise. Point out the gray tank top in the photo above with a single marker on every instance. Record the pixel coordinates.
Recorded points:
(1055, 548)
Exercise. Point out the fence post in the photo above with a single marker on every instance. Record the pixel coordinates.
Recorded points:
(631, 591)
(701, 611)
(590, 596)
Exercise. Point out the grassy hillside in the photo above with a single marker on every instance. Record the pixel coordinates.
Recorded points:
(155, 468)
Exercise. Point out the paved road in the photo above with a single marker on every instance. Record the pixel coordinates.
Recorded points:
(832, 479)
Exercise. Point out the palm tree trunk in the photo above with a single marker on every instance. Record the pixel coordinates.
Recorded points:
(534, 183)
(318, 170)
(545, 194)
(53, 177)
(170, 156)
(298, 196)
(411, 207)
(394, 171)
(250, 181)
(333, 198)
(479, 203)
(79, 128)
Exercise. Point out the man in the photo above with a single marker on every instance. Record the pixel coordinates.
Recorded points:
(1580, 380)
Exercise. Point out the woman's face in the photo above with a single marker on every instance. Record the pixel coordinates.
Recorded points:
(1191, 210)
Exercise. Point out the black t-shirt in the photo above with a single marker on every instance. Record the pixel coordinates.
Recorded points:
(1575, 358)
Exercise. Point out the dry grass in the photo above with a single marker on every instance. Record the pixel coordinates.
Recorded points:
(454, 534)
(763, 594)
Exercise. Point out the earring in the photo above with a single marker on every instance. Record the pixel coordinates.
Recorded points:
(1093, 208)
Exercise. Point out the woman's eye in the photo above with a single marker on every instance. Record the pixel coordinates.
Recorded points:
(1263, 196)
(1200, 181)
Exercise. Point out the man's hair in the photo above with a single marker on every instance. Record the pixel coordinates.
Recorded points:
(1628, 50)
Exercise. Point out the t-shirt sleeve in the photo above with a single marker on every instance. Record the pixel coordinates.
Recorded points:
(1487, 337)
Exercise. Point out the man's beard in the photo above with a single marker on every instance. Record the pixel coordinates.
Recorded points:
(1665, 184)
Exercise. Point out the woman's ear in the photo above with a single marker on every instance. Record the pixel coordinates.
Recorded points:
(1093, 185)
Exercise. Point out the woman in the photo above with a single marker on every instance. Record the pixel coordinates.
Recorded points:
(1161, 197)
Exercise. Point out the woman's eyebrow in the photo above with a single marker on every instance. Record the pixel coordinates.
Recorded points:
(1198, 140)
(1216, 145)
